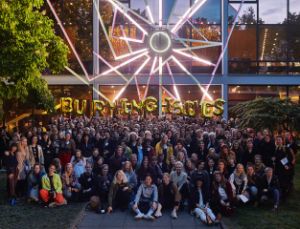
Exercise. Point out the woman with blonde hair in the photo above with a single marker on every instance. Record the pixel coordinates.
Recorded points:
(23, 167)
(238, 180)
(119, 192)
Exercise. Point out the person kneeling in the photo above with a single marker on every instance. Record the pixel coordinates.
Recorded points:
(200, 204)
(169, 197)
(51, 192)
(146, 199)
(34, 183)
(119, 192)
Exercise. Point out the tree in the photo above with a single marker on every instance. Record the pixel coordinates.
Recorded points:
(272, 113)
(28, 46)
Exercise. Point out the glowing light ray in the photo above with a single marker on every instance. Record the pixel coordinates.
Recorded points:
(189, 13)
(173, 81)
(196, 29)
(105, 31)
(197, 41)
(160, 13)
(120, 7)
(113, 69)
(199, 47)
(127, 9)
(130, 54)
(200, 60)
(87, 83)
(169, 93)
(68, 39)
(163, 63)
(149, 12)
(109, 65)
(150, 76)
(192, 76)
(127, 43)
(124, 37)
(224, 47)
(129, 81)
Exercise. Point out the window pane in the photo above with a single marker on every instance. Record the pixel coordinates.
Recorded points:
(293, 33)
(242, 44)
(294, 93)
(243, 67)
(272, 68)
(272, 43)
(294, 12)
(273, 12)
(247, 15)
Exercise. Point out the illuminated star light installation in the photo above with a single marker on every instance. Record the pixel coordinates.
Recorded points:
(155, 52)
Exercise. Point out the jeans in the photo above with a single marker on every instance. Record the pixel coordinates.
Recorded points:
(201, 213)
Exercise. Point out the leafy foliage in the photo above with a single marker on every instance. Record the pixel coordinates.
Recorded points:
(28, 46)
(272, 113)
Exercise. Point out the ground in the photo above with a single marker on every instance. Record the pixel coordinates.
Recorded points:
(121, 220)
(288, 216)
(32, 216)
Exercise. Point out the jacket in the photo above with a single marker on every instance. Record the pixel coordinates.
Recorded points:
(56, 183)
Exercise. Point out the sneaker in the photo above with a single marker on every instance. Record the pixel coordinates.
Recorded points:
(52, 205)
(139, 216)
(174, 214)
(158, 214)
(150, 217)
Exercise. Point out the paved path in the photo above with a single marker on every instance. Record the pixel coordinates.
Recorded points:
(125, 220)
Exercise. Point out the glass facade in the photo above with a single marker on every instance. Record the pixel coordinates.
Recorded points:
(263, 50)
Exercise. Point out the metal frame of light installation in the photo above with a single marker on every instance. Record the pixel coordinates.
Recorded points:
(137, 54)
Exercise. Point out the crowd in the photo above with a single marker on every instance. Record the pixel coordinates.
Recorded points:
(206, 167)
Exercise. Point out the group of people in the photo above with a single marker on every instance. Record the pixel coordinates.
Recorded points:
(206, 167)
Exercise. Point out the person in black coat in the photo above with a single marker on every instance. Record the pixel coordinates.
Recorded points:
(199, 202)
(269, 187)
(86, 146)
(86, 181)
(284, 167)
(201, 173)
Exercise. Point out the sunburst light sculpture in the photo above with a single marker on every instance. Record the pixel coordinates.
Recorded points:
(159, 44)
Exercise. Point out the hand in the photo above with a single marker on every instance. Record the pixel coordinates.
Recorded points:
(286, 167)
(125, 188)
(154, 205)
(109, 209)
(135, 206)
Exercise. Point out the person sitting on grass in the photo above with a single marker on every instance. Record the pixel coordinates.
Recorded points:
(169, 197)
(270, 188)
(51, 192)
(70, 185)
(253, 183)
(199, 202)
(119, 192)
(146, 199)
(34, 182)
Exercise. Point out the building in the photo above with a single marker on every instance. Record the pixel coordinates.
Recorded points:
(262, 58)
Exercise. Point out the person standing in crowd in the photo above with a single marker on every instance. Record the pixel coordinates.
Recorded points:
(36, 154)
(47, 149)
(164, 147)
(146, 199)
(67, 148)
(130, 174)
(78, 162)
(11, 163)
(51, 192)
(119, 192)
(284, 166)
(23, 166)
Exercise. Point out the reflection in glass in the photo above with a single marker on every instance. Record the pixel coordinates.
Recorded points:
(273, 12)
(247, 15)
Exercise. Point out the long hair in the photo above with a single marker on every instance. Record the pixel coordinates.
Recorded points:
(115, 180)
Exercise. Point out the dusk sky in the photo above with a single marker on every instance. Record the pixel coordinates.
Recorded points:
(271, 11)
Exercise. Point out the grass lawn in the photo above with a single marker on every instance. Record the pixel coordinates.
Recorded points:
(263, 218)
(25, 215)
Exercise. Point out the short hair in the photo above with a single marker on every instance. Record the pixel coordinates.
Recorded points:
(268, 169)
